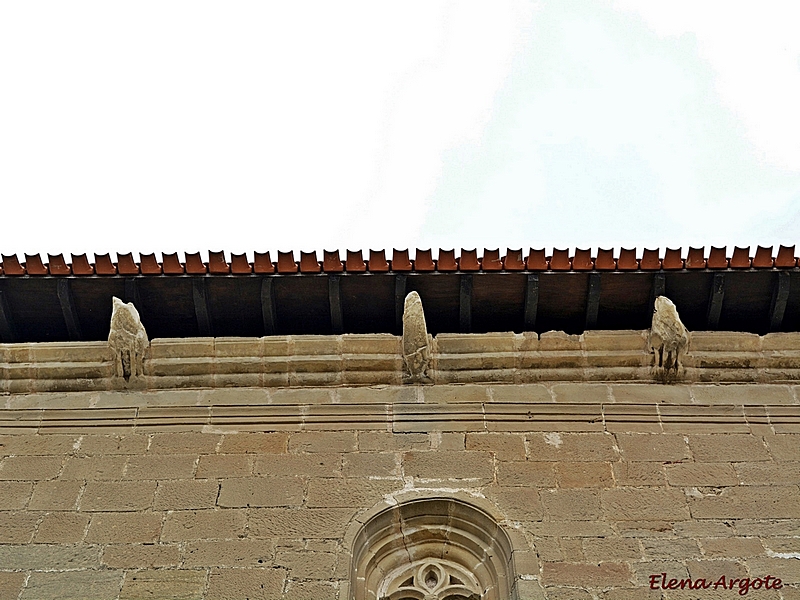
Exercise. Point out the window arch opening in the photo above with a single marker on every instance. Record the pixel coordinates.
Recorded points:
(432, 549)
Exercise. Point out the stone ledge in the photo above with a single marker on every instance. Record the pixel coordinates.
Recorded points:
(443, 395)
(376, 359)
(414, 417)
(581, 407)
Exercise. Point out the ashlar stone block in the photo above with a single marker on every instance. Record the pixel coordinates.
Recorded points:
(177, 584)
(73, 585)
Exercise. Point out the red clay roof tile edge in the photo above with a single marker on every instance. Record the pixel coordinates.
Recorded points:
(467, 261)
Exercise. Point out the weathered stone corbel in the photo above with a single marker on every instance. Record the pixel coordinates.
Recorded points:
(416, 341)
(128, 339)
(668, 341)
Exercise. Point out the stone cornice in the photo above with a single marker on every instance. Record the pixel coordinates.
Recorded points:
(364, 360)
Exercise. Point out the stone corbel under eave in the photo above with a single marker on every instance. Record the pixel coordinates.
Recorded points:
(668, 341)
(417, 342)
(127, 339)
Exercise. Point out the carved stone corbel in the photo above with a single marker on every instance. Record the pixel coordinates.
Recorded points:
(128, 339)
(668, 340)
(416, 340)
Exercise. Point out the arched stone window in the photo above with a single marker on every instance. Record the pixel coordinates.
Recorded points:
(432, 549)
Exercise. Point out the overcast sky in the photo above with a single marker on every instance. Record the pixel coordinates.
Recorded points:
(184, 126)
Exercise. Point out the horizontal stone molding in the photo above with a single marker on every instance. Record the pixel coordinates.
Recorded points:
(376, 359)
(121, 412)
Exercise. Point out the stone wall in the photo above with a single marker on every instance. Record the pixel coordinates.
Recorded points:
(255, 492)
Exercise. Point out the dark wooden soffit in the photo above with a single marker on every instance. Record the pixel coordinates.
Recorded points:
(61, 308)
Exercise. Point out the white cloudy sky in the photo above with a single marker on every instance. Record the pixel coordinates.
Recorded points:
(169, 125)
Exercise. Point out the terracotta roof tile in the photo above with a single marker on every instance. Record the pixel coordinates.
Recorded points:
(171, 264)
(56, 265)
(126, 264)
(786, 257)
(286, 262)
(717, 258)
(377, 261)
(672, 259)
(605, 260)
(149, 265)
(537, 261)
(331, 263)
(468, 261)
(11, 265)
(423, 260)
(627, 260)
(491, 260)
(763, 258)
(34, 266)
(239, 264)
(447, 260)
(195, 264)
(355, 262)
(81, 266)
(582, 261)
(262, 263)
(217, 264)
(740, 258)
(513, 260)
(696, 258)
(309, 262)
(560, 260)
(400, 261)
(650, 260)
(104, 266)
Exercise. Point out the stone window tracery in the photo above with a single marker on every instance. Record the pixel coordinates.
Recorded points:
(430, 580)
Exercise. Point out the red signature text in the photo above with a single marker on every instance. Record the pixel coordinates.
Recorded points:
(742, 585)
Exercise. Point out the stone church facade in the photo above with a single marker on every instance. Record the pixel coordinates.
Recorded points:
(603, 465)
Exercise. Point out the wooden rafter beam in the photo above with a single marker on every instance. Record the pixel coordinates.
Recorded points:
(268, 311)
(715, 299)
(465, 304)
(132, 293)
(780, 296)
(592, 300)
(400, 282)
(202, 311)
(335, 302)
(531, 301)
(659, 287)
(8, 332)
(67, 302)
